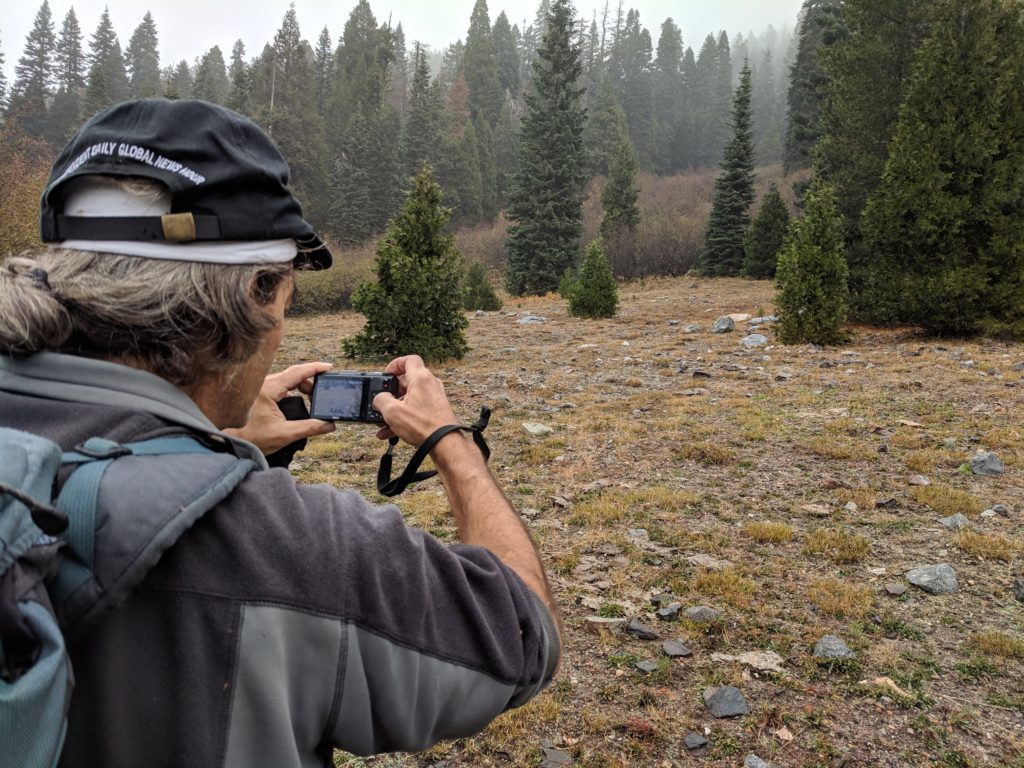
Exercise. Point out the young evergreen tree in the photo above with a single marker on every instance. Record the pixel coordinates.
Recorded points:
(488, 169)
(811, 277)
(179, 84)
(211, 83)
(421, 134)
(477, 291)
(546, 204)
(415, 306)
(323, 70)
(507, 57)
(142, 61)
(606, 130)
(764, 239)
(821, 26)
(722, 253)
(66, 109)
(947, 220)
(349, 218)
(619, 196)
(33, 75)
(240, 93)
(469, 186)
(595, 293)
(107, 81)
(480, 66)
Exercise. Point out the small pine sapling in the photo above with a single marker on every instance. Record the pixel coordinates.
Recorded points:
(595, 294)
(477, 291)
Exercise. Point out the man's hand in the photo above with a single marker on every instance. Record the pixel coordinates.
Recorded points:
(267, 427)
(422, 406)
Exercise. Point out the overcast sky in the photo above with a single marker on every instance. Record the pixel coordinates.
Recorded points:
(188, 28)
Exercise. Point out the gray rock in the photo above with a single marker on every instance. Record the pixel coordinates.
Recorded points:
(696, 744)
(1001, 509)
(645, 667)
(895, 589)
(673, 322)
(754, 340)
(986, 463)
(763, 320)
(531, 320)
(643, 632)
(950, 443)
(934, 579)
(724, 324)
(669, 612)
(537, 430)
(664, 599)
(955, 522)
(1018, 589)
(691, 328)
(726, 701)
(555, 758)
(638, 533)
(700, 373)
(676, 650)
(753, 761)
(918, 480)
(702, 614)
(1018, 367)
(832, 647)
(784, 374)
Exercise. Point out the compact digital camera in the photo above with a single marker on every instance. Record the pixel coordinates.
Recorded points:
(348, 395)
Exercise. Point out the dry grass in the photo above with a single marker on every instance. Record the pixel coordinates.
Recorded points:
(841, 450)
(764, 532)
(727, 584)
(995, 643)
(862, 497)
(616, 505)
(838, 546)
(707, 453)
(989, 547)
(945, 501)
(839, 599)
(926, 461)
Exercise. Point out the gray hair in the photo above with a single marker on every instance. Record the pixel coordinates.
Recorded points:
(180, 320)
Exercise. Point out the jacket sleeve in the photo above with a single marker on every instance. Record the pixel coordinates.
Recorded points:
(434, 640)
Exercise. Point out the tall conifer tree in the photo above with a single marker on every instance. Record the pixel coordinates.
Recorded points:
(211, 83)
(33, 75)
(947, 220)
(142, 61)
(66, 110)
(668, 95)
(605, 132)
(323, 70)
(240, 92)
(723, 253)
(507, 57)
(480, 66)
(619, 196)
(3, 83)
(764, 239)
(107, 80)
(546, 204)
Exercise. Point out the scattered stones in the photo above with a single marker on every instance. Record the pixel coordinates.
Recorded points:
(753, 761)
(531, 320)
(955, 522)
(709, 562)
(645, 667)
(702, 614)
(895, 589)
(934, 579)
(832, 647)
(598, 625)
(555, 758)
(739, 317)
(669, 612)
(784, 374)
(674, 649)
(662, 600)
(763, 320)
(696, 744)
(537, 430)
(726, 701)
(759, 661)
(754, 340)
(691, 328)
(640, 630)
(724, 324)
(986, 463)
(920, 480)
(1001, 509)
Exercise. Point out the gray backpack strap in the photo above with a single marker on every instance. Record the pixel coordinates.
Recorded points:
(128, 505)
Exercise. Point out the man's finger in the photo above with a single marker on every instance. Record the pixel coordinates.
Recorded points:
(295, 376)
(300, 428)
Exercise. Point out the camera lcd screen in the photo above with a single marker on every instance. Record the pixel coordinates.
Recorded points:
(337, 399)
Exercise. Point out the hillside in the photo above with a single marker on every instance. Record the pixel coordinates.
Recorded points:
(788, 489)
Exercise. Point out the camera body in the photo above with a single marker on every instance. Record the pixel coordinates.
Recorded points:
(348, 395)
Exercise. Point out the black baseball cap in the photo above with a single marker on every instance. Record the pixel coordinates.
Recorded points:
(226, 178)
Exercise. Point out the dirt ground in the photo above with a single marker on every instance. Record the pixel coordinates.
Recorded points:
(798, 473)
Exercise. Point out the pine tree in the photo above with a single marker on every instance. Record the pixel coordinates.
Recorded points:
(33, 75)
(768, 125)
(422, 131)
(349, 215)
(668, 95)
(812, 299)
(469, 184)
(398, 86)
(947, 220)
(107, 81)
(179, 84)
(211, 83)
(595, 293)
(142, 61)
(415, 307)
(821, 26)
(323, 70)
(507, 57)
(480, 66)
(3, 84)
(619, 196)
(545, 205)
(630, 72)
(240, 93)
(722, 253)
(703, 133)
(765, 236)
(477, 291)
(868, 75)
(488, 170)
(605, 132)
(66, 109)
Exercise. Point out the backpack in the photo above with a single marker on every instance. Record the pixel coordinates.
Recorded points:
(64, 562)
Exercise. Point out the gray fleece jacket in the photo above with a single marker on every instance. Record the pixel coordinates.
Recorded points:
(289, 620)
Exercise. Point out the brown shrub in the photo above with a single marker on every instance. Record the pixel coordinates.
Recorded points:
(24, 170)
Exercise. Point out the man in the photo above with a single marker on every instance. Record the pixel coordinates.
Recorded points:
(290, 619)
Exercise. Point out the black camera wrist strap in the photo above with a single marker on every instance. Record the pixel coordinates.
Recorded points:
(388, 487)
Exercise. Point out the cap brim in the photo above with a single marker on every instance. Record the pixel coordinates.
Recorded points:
(313, 254)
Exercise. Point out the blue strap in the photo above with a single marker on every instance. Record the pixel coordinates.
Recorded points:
(80, 493)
